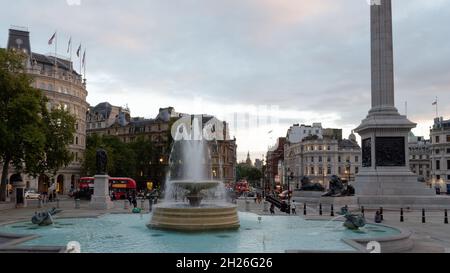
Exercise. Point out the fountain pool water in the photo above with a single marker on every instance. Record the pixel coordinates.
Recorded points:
(126, 233)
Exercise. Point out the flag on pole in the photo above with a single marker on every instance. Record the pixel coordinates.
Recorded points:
(69, 45)
(52, 38)
(79, 51)
(84, 58)
(434, 103)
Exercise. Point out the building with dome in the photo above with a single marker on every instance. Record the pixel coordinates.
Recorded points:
(319, 156)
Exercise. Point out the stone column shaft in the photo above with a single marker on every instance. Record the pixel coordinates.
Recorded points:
(382, 55)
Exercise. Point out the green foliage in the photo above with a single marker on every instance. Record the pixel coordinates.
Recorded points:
(33, 139)
(139, 159)
(251, 174)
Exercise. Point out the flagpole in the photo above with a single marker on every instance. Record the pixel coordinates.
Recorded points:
(437, 113)
(70, 49)
(84, 64)
(79, 58)
(56, 50)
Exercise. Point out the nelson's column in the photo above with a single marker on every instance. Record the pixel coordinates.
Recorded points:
(385, 178)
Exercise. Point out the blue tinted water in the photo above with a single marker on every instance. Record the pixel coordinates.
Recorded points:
(128, 233)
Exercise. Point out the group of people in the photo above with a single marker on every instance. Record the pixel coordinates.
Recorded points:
(258, 198)
(132, 198)
(48, 197)
(285, 208)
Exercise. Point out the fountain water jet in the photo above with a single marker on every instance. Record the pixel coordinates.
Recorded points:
(188, 173)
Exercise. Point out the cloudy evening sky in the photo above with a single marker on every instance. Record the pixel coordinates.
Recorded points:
(304, 60)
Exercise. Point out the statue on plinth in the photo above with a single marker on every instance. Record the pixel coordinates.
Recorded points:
(101, 161)
(338, 189)
(308, 186)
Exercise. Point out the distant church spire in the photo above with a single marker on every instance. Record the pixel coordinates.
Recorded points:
(248, 161)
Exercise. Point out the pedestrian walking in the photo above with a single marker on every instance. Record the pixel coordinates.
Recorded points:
(378, 217)
(272, 209)
(293, 207)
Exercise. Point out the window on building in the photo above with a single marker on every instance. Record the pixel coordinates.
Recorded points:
(438, 164)
(329, 170)
(448, 138)
(438, 177)
(339, 170)
(312, 159)
(328, 159)
(414, 157)
(329, 148)
(356, 170)
(312, 171)
(448, 150)
(448, 177)
(320, 148)
(320, 171)
(437, 151)
(448, 164)
(76, 140)
(437, 139)
(320, 159)
(356, 158)
(339, 159)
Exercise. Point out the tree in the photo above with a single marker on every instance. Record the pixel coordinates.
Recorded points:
(22, 139)
(33, 138)
(244, 171)
(121, 158)
(59, 128)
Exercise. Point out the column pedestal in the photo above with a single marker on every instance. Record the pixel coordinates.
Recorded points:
(100, 199)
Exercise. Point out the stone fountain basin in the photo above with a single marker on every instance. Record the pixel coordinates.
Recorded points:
(196, 186)
(203, 218)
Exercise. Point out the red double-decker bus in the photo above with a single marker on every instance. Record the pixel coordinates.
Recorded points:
(120, 186)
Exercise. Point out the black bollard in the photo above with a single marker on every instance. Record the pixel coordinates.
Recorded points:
(304, 209)
(446, 217)
(401, 215)
(423, 216)
(320, 209)
(332, 210)
(362, 211)
(381, 214)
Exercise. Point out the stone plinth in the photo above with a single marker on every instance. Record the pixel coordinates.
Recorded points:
(385, 178)
(100, 199)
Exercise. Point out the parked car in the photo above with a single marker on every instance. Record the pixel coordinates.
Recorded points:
(32, 194)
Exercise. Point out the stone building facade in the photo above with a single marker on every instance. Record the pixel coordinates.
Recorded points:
(105, 119)
(320, 157)
(273, 172)
(419, 157)
(440, 153)
(66, 89)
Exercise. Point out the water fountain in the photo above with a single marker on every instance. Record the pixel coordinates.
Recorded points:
(189, 177)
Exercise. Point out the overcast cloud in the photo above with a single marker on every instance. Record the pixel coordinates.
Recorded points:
(309, 59)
